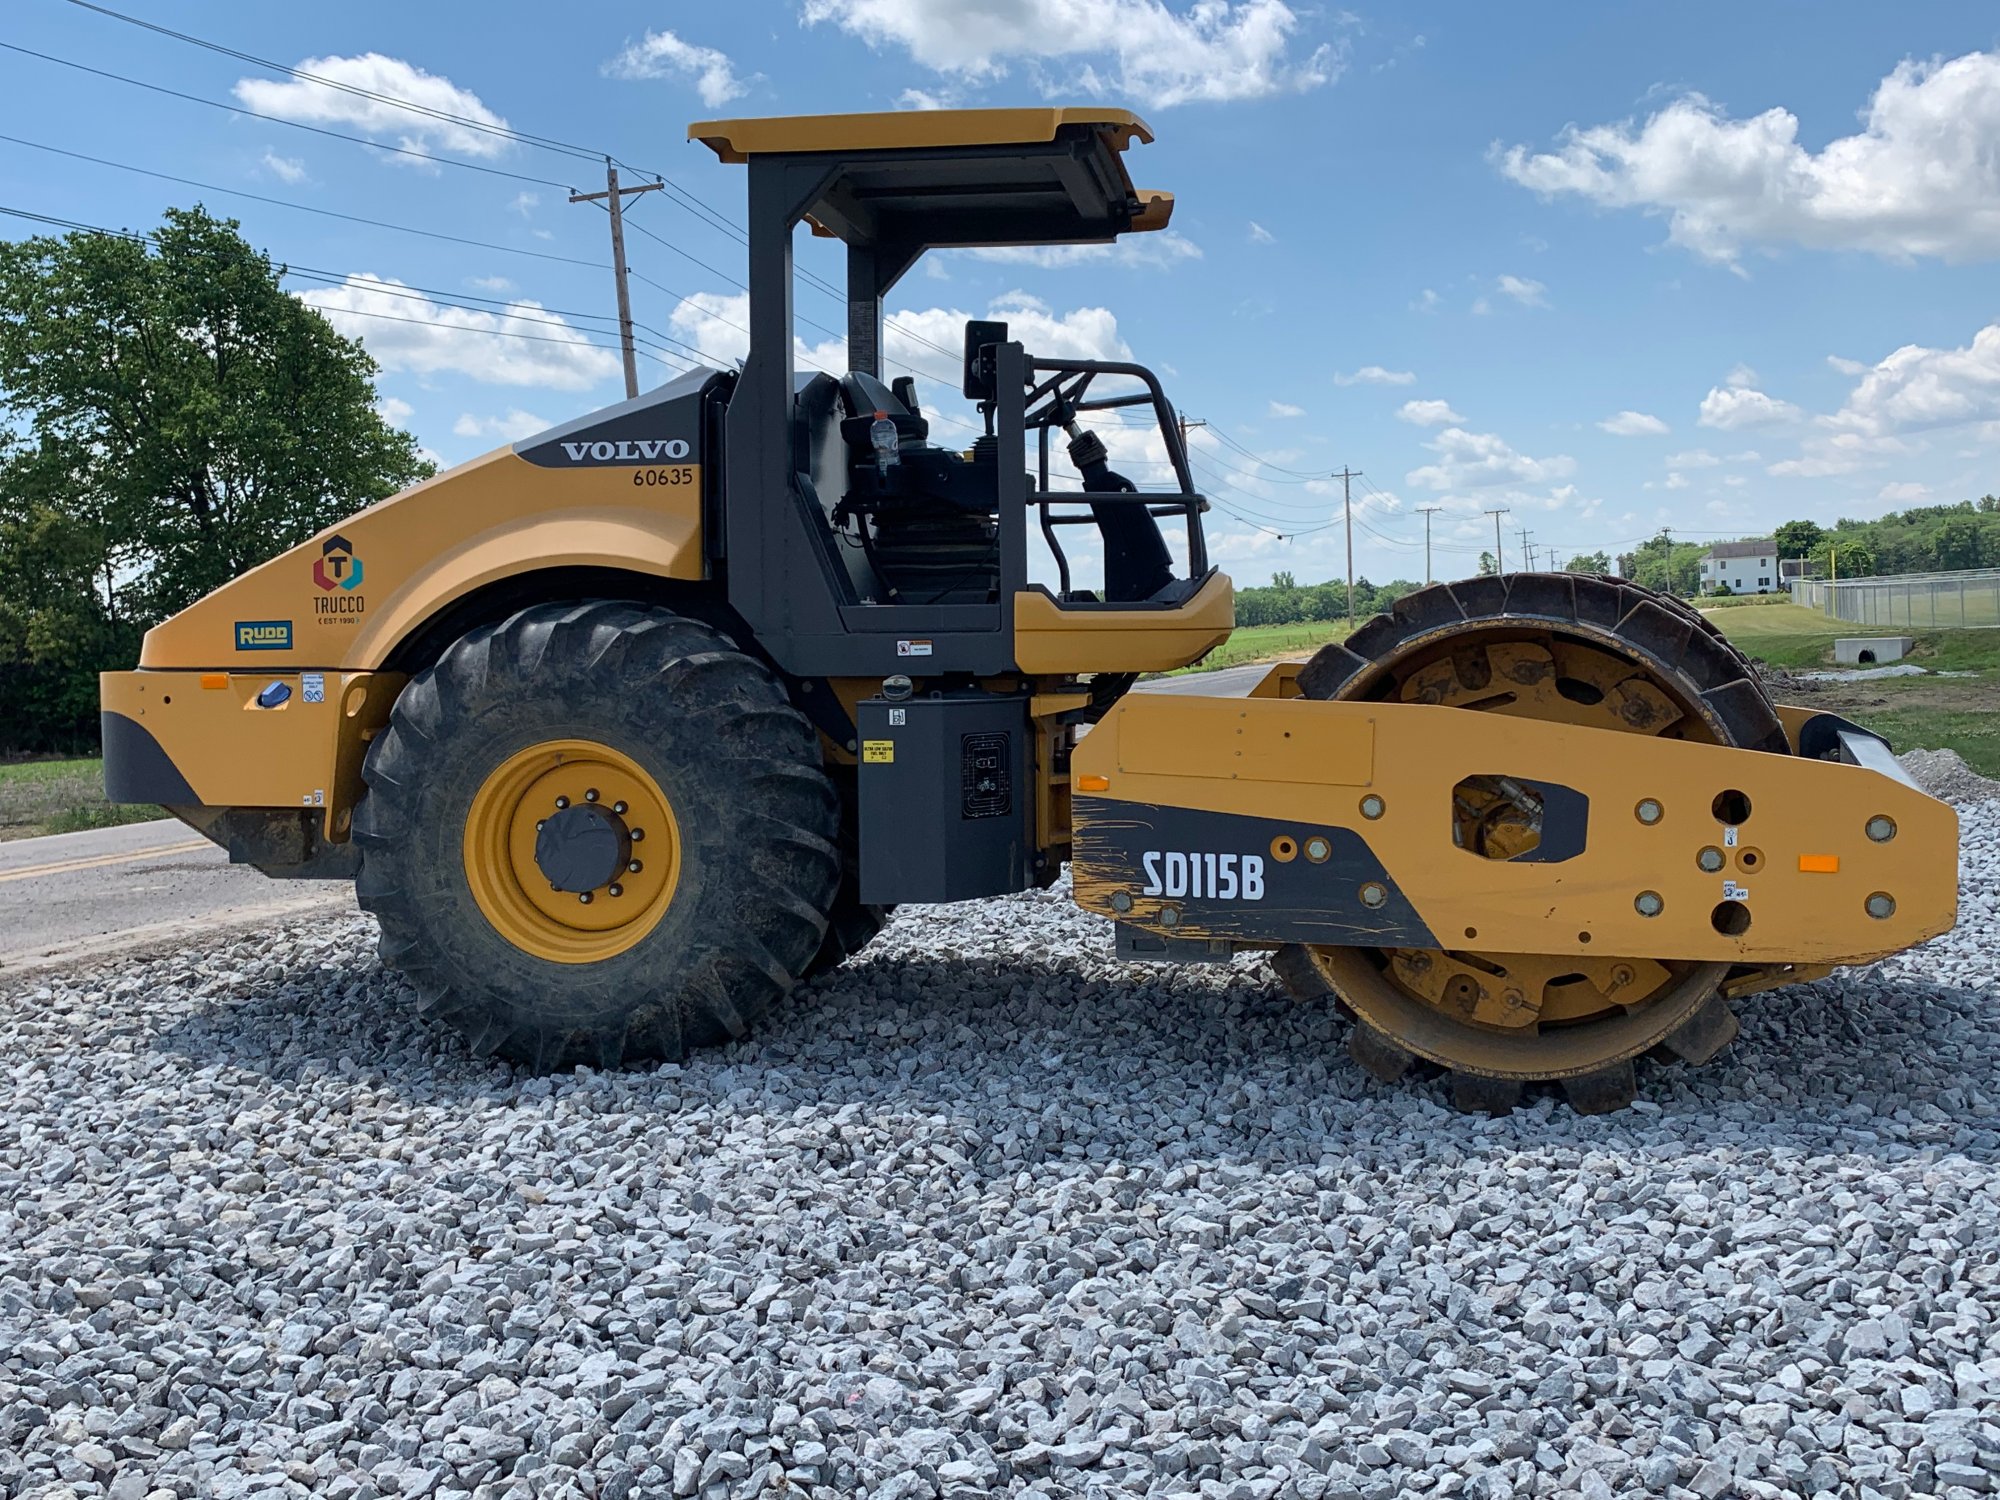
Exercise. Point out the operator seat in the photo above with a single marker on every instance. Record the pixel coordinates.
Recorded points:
(864, 396)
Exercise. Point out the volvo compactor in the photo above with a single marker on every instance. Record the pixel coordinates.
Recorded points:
(625, 729)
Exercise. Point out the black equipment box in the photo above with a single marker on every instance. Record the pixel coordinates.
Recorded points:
(945, 797)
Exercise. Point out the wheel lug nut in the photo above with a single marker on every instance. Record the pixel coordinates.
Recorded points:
(616, 889)
(591, 795)
(584, 898)
(638, 834)
(540, 824)
(561, 803)
(619, 808)
(635, 867)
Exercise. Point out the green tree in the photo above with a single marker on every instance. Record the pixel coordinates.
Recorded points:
(1845, 558)
(178, 419)
(1487, 567)
(1798, 538)
(1959, 542)
(1282, 581)
(1589, 562)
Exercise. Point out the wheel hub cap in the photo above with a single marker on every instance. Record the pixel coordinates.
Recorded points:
(583, 847)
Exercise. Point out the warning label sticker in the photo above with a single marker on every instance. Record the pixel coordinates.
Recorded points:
(878, 752)
(913, 648)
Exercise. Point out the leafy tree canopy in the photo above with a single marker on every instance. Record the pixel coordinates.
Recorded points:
(172, 418)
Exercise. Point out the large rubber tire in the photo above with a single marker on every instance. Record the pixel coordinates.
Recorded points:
(851, 923)
(756, 824)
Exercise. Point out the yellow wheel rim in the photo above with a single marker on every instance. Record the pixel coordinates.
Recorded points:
(505, 819)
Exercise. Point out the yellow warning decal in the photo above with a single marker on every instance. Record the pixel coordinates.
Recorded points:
(878, 752)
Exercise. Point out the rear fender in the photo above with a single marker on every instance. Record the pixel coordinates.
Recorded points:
(346, 598)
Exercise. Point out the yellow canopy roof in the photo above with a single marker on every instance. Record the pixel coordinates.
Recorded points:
(900, 130)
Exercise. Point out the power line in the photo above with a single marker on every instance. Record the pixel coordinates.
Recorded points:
(487, 127)
(312, 274)
(306, 208)
(238, 109)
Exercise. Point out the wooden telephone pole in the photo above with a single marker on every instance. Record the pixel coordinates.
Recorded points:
(614, 196)
(1499, 565)
(1347, 477)
(1427, 511)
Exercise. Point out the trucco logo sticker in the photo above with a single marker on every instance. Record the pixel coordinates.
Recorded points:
(338, 567)
(263, 635)
(337, 571)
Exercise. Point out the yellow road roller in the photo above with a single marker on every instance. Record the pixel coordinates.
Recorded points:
(628, 727)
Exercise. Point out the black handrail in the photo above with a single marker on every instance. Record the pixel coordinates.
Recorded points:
(1061, 407)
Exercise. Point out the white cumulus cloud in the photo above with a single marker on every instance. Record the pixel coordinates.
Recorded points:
(1427, 413)
(405, 330)
(1475, 460)
(1524, 291)
(317, 104)
(1259, 235)
(1634, 424)
(284, 168)
(663, 54)
(1375, 375)
(717, 324)
(1921, 177)
(1918, 387)
(1160, 248)
(1146, 50)
(1732, 406)
(1286, 409)
(510, 426)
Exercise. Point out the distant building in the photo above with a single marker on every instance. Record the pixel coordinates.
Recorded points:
(1792, 569)
(1740, 568)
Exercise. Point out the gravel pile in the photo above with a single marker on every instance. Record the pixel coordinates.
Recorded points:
(1943, 773)
(987, 1214)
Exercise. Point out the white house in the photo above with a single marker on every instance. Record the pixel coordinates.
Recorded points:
(1740, 567)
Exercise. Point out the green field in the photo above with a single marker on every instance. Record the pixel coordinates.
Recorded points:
(58, 796)
(1928, 713)
(1252, 643)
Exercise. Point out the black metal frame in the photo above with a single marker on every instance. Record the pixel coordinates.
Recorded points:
(1061, 405)
(782, 577)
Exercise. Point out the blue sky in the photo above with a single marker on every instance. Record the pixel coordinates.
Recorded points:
(1707, 266)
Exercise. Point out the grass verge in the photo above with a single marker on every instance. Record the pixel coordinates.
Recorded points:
(59, 796)
(1913, 713)
(1255, 643)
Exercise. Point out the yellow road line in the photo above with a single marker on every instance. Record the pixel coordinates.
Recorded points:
(91, 862)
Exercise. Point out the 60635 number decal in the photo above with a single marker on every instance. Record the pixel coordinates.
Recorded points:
(677, 475)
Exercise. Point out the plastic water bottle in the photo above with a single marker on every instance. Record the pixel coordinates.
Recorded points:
(882, 433)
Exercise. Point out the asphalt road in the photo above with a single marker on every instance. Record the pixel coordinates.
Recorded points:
(77, 896)
(1227, 682)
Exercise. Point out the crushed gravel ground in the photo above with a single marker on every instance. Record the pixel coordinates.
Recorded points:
(1944, 774)
(986, 1213)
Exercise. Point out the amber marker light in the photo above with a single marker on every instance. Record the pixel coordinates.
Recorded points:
(215, 679)
(1819, 864)
(1093, 783)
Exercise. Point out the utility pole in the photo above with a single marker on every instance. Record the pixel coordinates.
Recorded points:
(1526, 551)
(614, 196)
(1347, 477)
(1499, 563)
(1188, 424)
(1427, 511)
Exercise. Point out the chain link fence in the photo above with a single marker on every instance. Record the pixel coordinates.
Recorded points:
(1967, 600)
